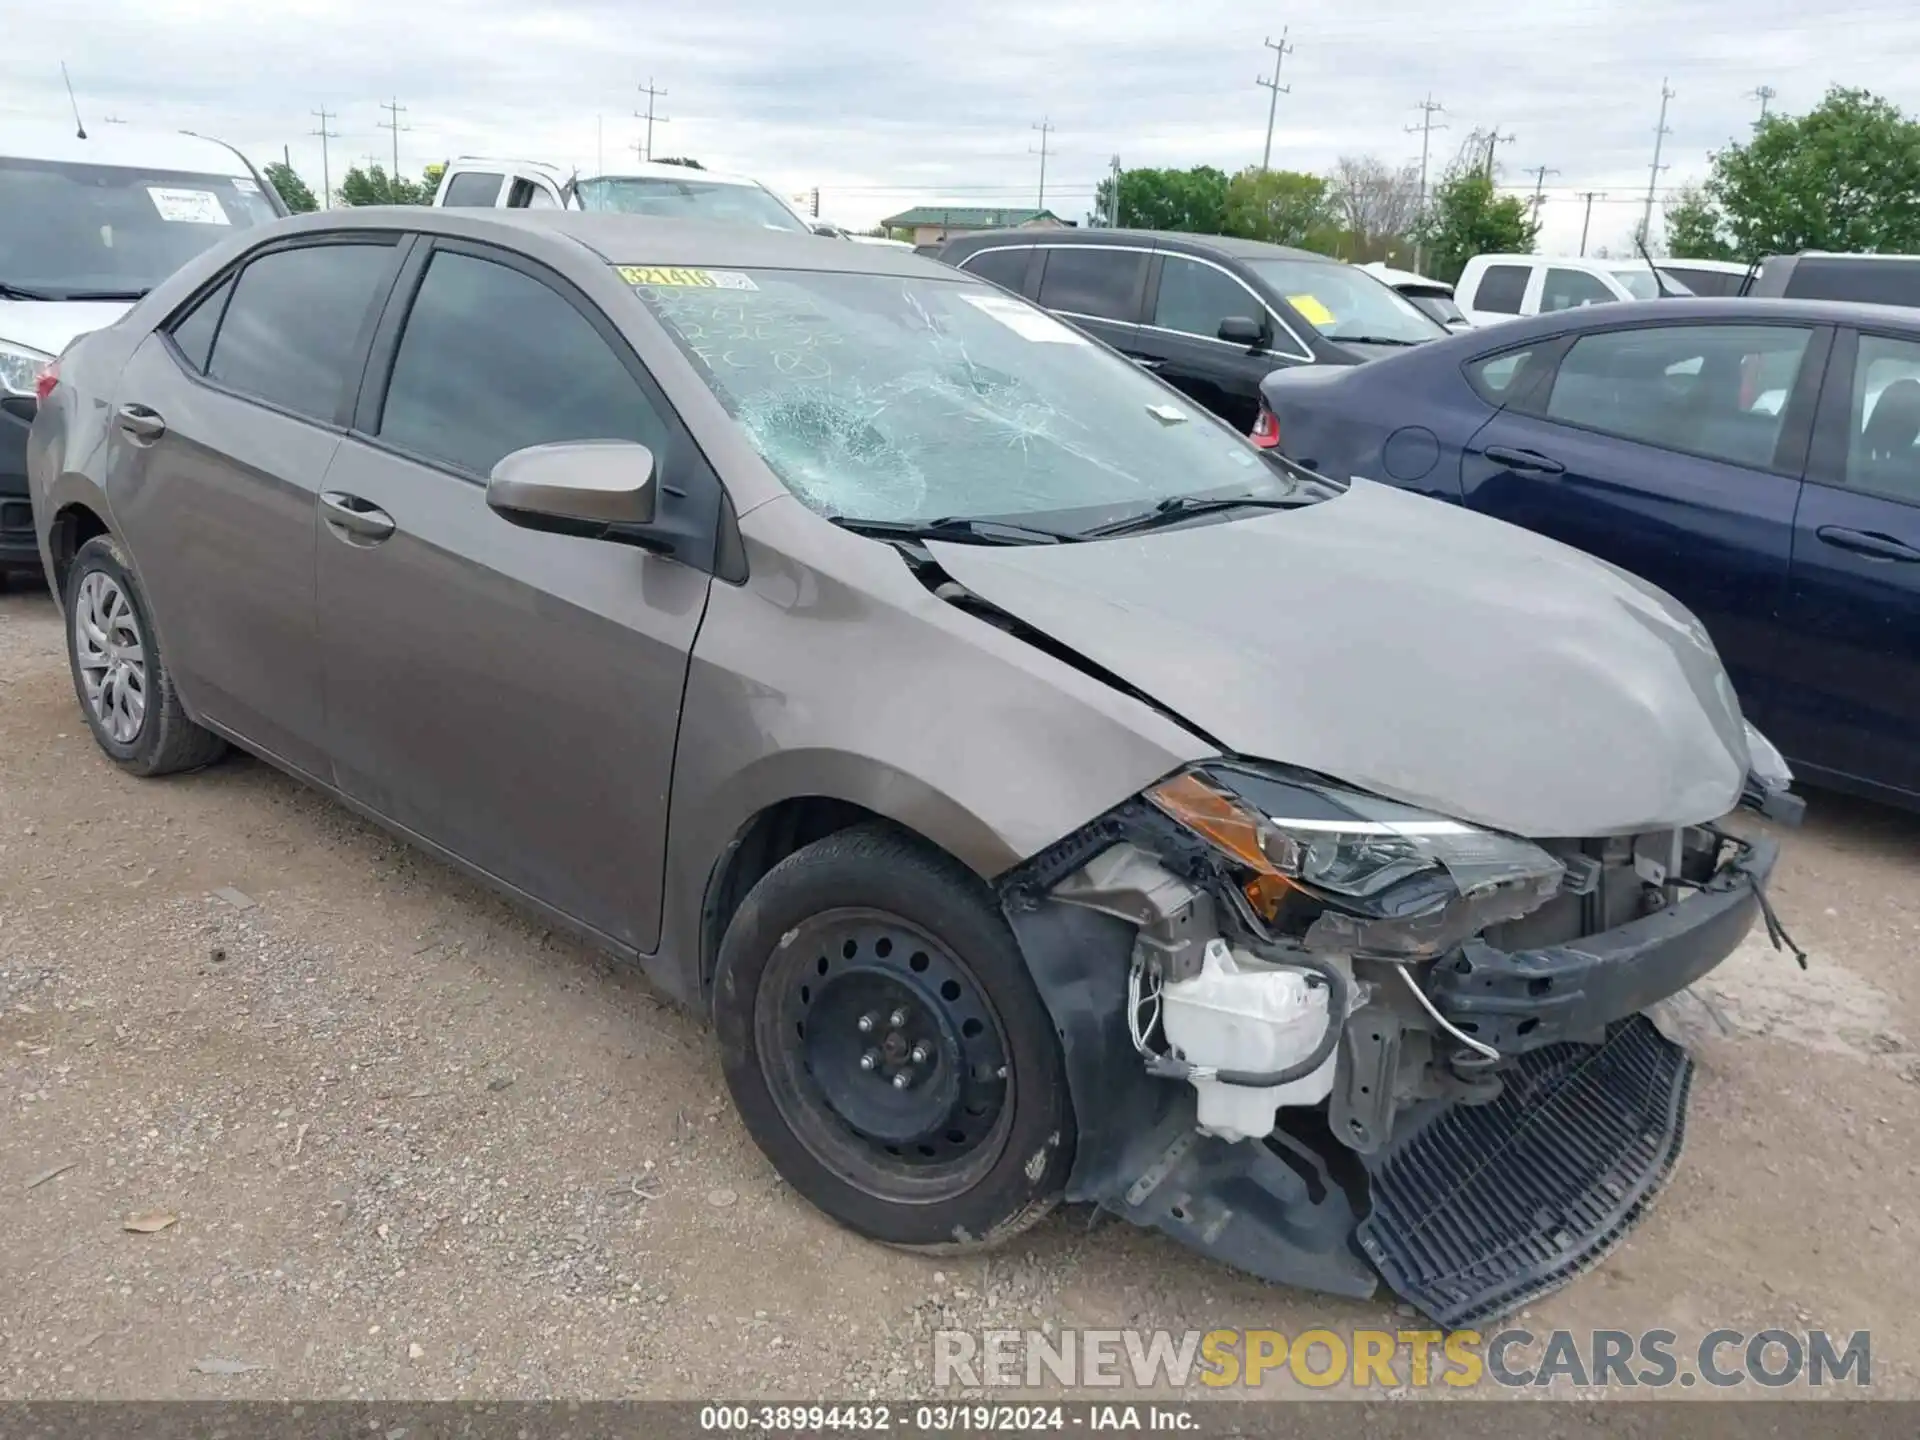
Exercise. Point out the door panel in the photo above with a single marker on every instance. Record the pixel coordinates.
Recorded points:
(510, 695)
(1714, 533)
(1852, 621)
(219, 516)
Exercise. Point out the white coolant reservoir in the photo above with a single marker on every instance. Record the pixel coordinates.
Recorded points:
(1241, 1013)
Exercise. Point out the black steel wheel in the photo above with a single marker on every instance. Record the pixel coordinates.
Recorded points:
(886, 1045)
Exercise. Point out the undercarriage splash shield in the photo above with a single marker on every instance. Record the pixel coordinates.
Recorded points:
(1483, 1208)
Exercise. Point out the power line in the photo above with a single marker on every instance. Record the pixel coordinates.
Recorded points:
(1045, 127)
(1587, 220)
(1281, 50)
(1660, 133)
(1428, 107)
(326, 172)
(394, 111)
(652, 95)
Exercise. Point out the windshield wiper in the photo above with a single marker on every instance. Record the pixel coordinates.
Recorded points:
(1180, 507)
(21, 292)
(1338, 336)
(954, 527)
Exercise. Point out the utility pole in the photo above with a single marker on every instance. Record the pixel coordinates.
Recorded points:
(1494, 140)
(1045, 127)
(1589, 196)
(1765, 95)
(1113, 197)
(1660, 133)
(394, 111)
(652, 95)
(1540, 173)
(326, 174)
(1428, 107)
(1281, 49)
(816, 202)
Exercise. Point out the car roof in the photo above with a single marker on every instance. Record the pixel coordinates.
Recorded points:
(634, 239)
(1718, 267)
(639, 170)
(1174, 240)
(1681, 308)
(122, 145)
(1380, 270)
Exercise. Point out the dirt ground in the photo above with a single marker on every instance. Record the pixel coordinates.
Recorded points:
(418, 1147)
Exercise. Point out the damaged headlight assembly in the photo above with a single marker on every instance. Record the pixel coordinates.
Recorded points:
(1317, 877)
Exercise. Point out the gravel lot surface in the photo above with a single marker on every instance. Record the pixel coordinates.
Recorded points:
(386, 1137)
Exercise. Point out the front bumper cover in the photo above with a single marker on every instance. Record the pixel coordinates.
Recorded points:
(1585, 1134)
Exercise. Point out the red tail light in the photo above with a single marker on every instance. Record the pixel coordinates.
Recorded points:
(1266, 430)
(48, 377)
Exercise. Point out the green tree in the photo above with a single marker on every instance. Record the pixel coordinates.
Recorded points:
(1189, 200)
(1468, 217)
(1693, 228)
(373, 186)
(292, 189)
(1844, 176)
(679, 160)
(1284, 207)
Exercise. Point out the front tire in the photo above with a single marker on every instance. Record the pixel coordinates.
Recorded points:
(122, 683)
(885, 1044)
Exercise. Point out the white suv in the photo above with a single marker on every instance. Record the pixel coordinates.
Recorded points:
(1503, 287)
(665, 191)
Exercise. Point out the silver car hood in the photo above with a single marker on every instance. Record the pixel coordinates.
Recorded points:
(1409, 648)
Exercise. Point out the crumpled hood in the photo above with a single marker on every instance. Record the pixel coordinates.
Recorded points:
(47, 325)
(1409, 648)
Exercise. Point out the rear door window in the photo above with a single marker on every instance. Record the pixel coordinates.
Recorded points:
(493, 360)
(1502, 288)
(1713, 390)
(1094, 281)
(291, 332)
(474, 190)
(1004, 267)
(193, 332)
(1570, 289)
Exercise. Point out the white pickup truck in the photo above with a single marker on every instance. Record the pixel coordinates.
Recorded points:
(668, 191)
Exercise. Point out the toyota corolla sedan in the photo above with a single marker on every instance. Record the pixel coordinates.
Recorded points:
(1046, 793)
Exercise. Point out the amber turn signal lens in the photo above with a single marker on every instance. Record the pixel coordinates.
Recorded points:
(1216, 816)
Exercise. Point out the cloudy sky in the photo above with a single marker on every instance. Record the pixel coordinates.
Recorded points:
(886, 105)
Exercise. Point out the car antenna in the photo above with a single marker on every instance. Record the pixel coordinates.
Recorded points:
(1659, 281)
(79, 125)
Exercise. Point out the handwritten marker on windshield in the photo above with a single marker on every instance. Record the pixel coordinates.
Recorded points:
(1168, 414)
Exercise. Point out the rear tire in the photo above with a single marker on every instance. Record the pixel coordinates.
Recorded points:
(887, 1048)
(119, 675)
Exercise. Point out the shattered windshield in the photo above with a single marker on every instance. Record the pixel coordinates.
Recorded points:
(891, 398)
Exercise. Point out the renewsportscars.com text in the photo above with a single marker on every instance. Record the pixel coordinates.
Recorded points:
(1389, 1359)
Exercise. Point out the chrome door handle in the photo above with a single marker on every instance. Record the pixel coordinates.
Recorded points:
(355, 516)
(141, 422)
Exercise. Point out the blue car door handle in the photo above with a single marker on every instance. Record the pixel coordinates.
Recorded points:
(1524, 462)
(1863, 542)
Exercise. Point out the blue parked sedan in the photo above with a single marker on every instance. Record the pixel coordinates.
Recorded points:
(1757, 459)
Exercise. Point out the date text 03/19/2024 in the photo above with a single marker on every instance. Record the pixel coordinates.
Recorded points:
(944, 1418)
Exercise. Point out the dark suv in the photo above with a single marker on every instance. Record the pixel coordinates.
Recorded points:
(1817, 275)
(1209, 314)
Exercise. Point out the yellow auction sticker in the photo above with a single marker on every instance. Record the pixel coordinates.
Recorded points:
(686, 277)
(1311, 309)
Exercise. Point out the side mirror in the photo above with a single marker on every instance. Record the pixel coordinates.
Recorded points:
(579, 487)
(1243, 330)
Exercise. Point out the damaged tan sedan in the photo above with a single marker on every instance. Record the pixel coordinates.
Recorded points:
(1048, 795)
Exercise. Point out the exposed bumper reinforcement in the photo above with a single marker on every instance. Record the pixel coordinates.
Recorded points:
(1528, 999)
(1478, 1209)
